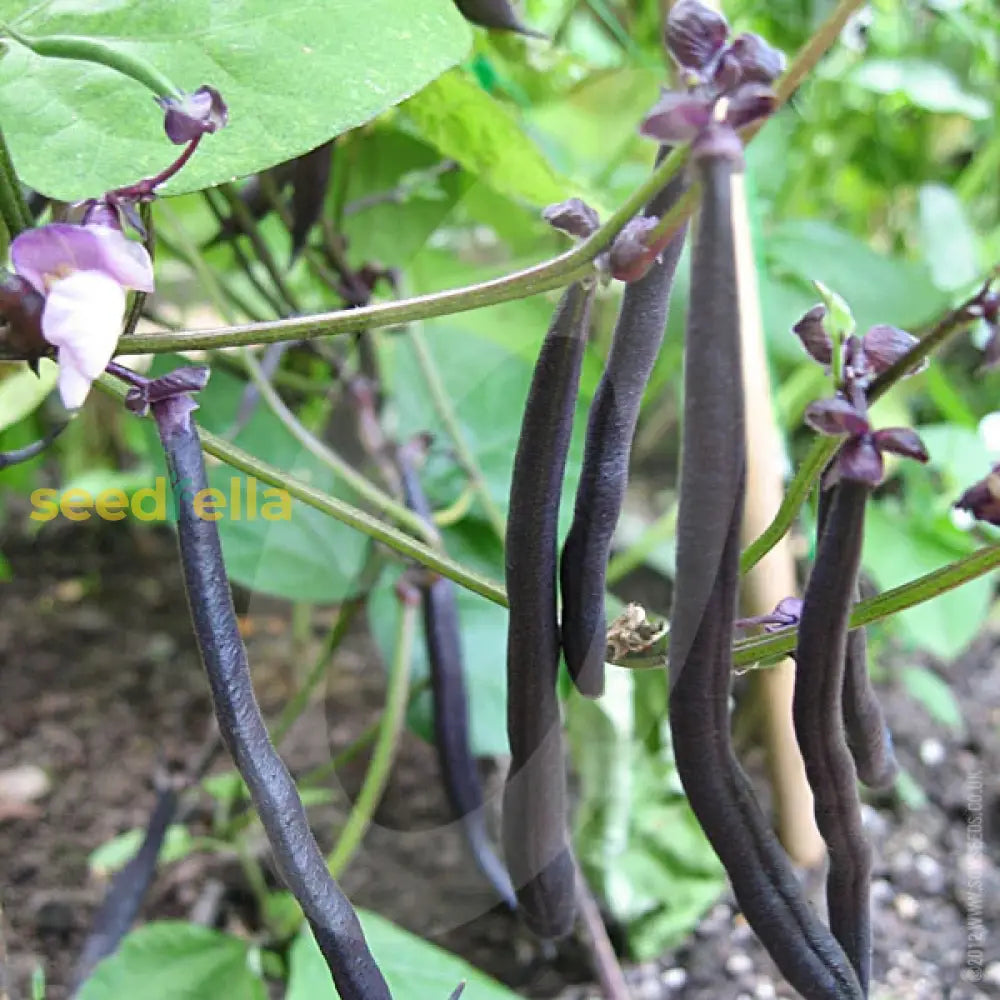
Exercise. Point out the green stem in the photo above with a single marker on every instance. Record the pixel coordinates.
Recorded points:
(820, 452)
(13, 208)
(390, 730)
(448, 417)
(748, 652)
(368, 491)
(364, 738)
(93, 50)
(298, 703)
(248, 227)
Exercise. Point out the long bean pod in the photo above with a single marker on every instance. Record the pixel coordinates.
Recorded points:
(868, 736)
(299, 860)
(534, 808)
(442, 631)
(713, 476)
(818, 715)
(614, 412)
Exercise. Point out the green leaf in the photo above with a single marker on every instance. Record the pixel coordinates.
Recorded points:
(928, 85)
(23, 392)
(413, 968)
(878, 288)
(465, 123)
(306, 557)
(293, 75)
(898, 549)
(115, 854)
(935, 695)
(172, 960)
(948, 240)
(484, 631)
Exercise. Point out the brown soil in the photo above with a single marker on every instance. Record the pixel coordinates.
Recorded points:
(100, 686)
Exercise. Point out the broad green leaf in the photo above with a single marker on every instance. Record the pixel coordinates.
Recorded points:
(414, 968)
(172, 960)
(935, 695)
(897, 550)
(926, 84)
(293, 75)
(392, 230)
(948, 240)
(114, 854)
(465, 123)
(958, 454)
(878, 289)
(306, 557)
(484, 630)
(22, 392)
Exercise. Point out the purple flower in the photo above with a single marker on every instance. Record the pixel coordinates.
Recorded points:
(83, 273)
(192, 115)
(860, 456)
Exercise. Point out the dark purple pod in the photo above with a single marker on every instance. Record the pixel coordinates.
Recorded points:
(818, 715)
(310, 178)
(712, 486)
(299, 861)
(443, 635)
(498, 14)
(535, 837)
(611, 425)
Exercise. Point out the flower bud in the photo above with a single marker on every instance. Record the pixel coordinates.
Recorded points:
(192, 115)
(750, 103)
(630, 255)
(884, 345)
(812, 332)
(574, 216)
(695, 34)
(758, 61)
(677, 117)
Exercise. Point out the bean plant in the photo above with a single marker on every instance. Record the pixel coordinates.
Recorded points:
(82, 287)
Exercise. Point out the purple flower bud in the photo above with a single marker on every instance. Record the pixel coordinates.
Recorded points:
(21, 309)
(812, 332)
(789, 609)
(192, 115)
(750, 103)
(677, 117)
(836, 416)
(885, 345)
(901, 441)
(630, 256)
(574, 216)
(859, 460)
(759, 62)
(727, 73)
(982, 499)
(695, 34)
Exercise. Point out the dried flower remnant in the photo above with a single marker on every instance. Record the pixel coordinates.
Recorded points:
(573, 216)
(193, 115)
(83, 272)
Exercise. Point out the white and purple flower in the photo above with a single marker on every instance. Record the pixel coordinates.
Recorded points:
(83, 272)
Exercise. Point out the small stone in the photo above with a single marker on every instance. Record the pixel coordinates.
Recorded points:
(991, 974)
(932, 752)
(674, 978)
(765, 990)
(739, 964)
(906, 906)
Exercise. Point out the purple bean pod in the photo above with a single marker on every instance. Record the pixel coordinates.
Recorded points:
(614, 413)
(442, 630)
(868, 735)
(818, 714)
(713, 480)
(534, 809)
(276, 799)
